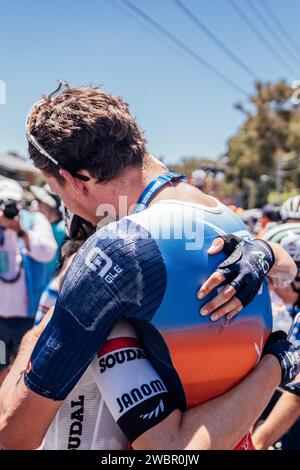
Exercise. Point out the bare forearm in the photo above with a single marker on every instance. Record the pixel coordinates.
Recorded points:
(26, 347)
(222, 422)
(229, 417)
(281, 419)
(9, 392)
(284, 269)
(27, 419)
(19, 365)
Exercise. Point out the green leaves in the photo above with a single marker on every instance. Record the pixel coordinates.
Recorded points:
(271, 130)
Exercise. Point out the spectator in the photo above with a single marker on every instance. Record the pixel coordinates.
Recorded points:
(270, 218)
(27, 246)
(49, 205)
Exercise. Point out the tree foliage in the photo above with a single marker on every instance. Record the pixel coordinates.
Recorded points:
(266, 149)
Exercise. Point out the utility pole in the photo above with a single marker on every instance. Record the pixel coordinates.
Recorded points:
(252, 194)
(279, 176)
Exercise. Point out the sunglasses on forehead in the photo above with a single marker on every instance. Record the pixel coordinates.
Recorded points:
(43, 152)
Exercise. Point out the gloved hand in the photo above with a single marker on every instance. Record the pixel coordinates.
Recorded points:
(247, 265)
(287, 355)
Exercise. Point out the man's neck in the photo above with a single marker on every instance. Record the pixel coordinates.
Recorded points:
(124, 192)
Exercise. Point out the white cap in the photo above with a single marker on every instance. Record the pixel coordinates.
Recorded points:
(10, 189)
(42, 195)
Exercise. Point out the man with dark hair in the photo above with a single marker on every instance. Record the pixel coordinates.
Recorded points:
(101, 134)
(91, 151)
(270, 217)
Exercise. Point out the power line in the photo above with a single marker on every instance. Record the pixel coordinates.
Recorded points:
(215, 39)
(136, 18)
(280, 26)
(274, 32)
(269, 28)
(258, 33)
(184, 47)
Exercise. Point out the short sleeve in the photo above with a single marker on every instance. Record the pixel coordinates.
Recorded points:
(118, 273)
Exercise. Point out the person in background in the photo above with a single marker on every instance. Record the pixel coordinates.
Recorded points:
(270, 218)
(290, 210)
(251, 218)
(49, 205)
(27, 246)
(281, 426)
(78, 231)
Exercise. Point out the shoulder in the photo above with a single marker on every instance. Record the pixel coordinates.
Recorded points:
(120, 250)
(120, 266)
(126, 238)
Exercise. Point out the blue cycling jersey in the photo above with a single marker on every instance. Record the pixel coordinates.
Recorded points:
(147, 268)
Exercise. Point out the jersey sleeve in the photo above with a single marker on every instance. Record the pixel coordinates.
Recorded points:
(118, 273)
(133, 391)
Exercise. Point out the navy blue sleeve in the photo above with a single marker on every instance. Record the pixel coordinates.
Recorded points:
(118, 273)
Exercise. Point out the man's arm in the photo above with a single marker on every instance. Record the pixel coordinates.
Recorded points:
(12, 393)
(280, 420)
(26, 419)
(219, 423)
(21, 361)
(284, 269)
(228, 302)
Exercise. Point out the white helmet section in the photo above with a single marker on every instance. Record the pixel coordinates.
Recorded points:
(291, 244)
(290, 209)
(288, 237)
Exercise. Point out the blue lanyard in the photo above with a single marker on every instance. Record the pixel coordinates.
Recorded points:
(153, 187)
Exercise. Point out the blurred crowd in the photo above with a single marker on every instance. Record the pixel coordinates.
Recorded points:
(31, 236)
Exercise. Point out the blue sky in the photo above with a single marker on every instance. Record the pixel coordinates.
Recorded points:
(184, 109)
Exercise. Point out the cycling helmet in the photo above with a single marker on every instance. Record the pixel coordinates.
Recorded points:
(288, 237)
(290, 209)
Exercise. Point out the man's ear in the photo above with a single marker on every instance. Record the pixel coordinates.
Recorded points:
(77, 185)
